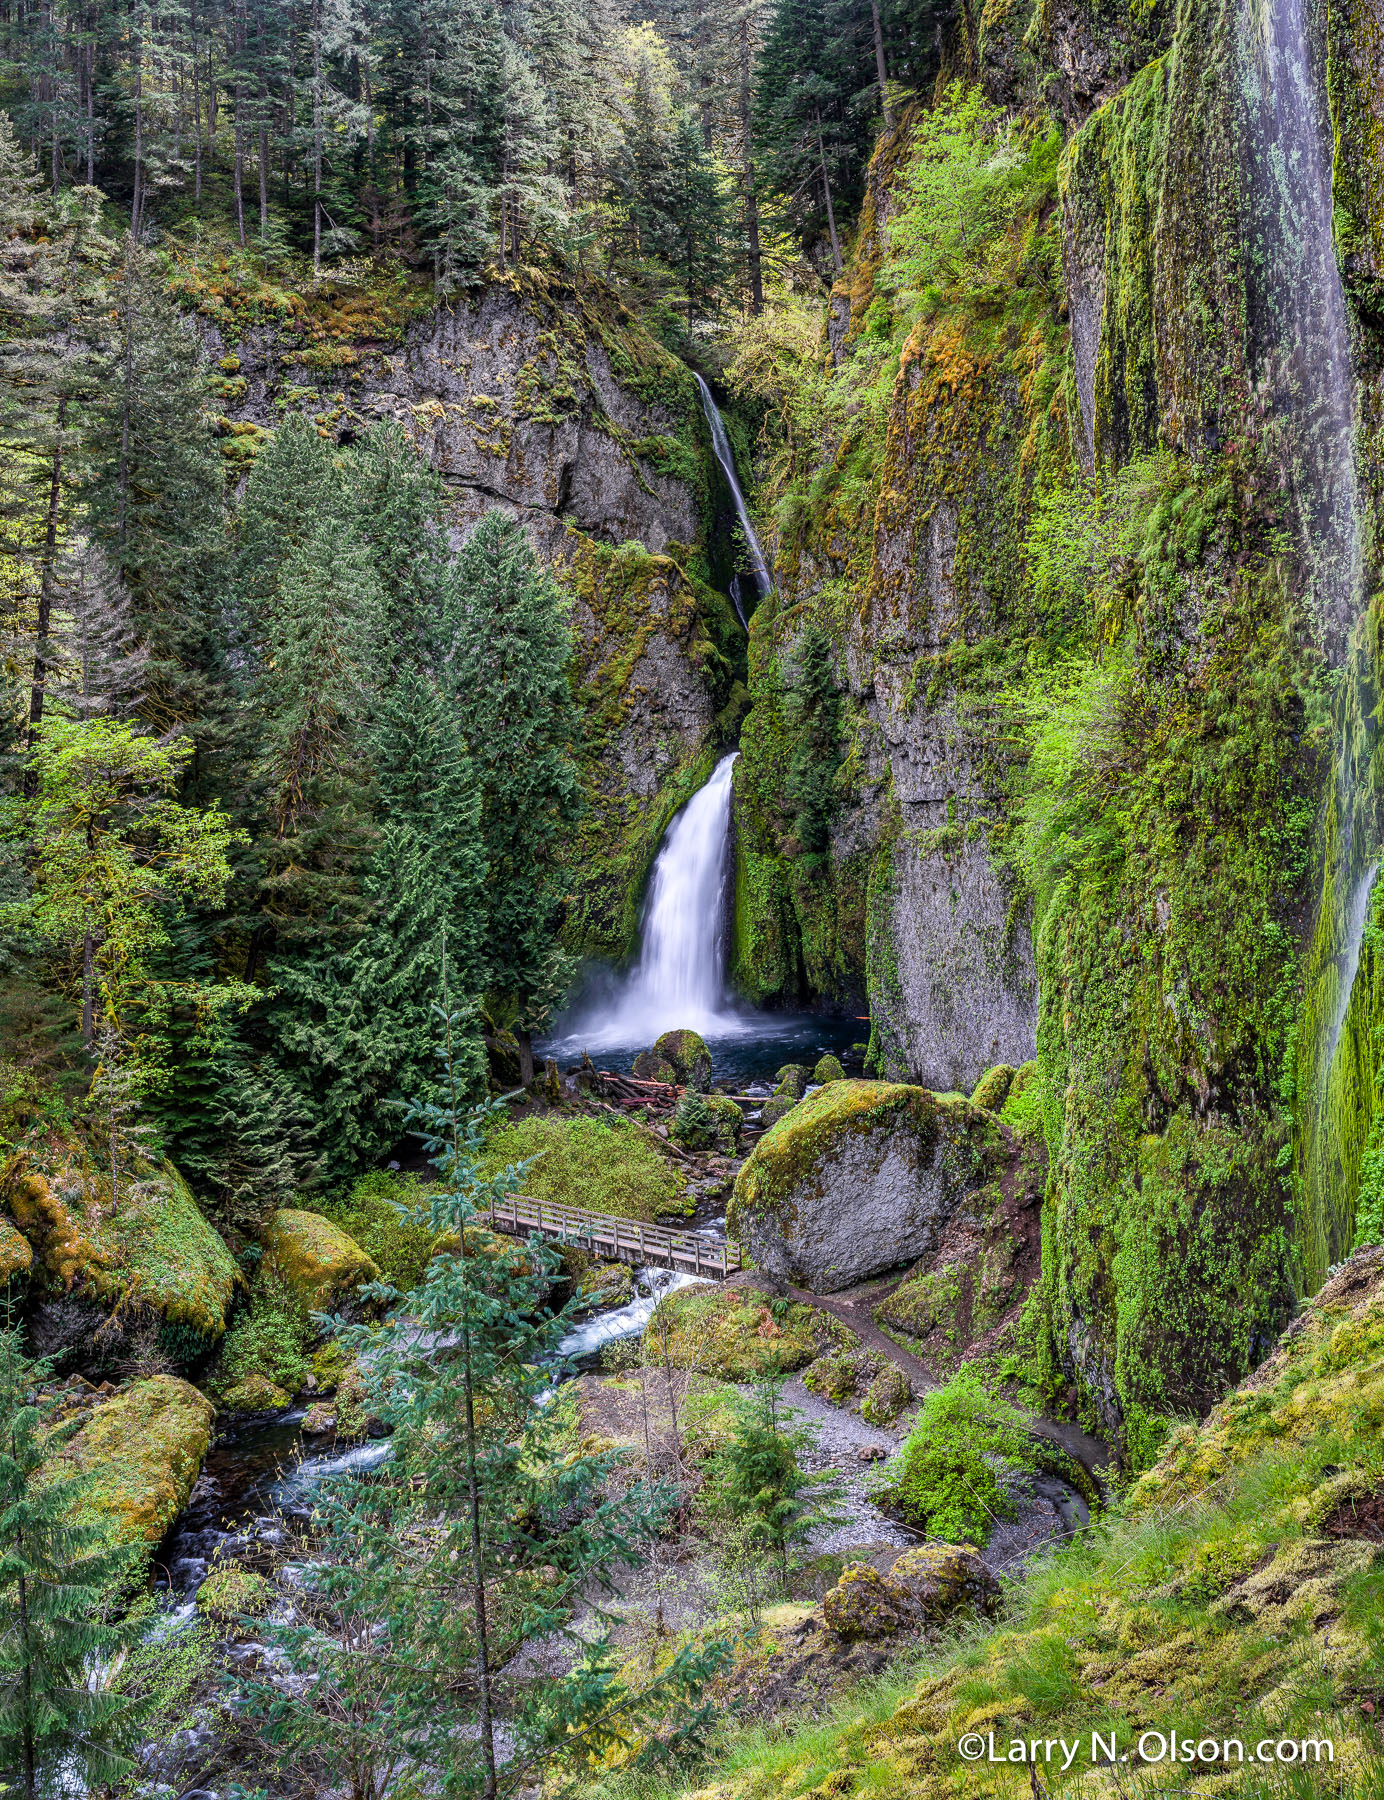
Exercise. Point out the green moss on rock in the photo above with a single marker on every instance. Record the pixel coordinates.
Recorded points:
(316, 1261)
(828, 1069)
(860, 1176)
(144, 1450)
(155, 1250)
(687, 1054)
(992, 1089)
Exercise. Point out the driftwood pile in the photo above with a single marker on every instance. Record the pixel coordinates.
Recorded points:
(630, 1093)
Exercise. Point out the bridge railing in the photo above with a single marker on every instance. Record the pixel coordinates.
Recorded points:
(617, 1240)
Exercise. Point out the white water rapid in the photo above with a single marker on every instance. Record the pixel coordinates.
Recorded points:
(678, 982)
(720, 443)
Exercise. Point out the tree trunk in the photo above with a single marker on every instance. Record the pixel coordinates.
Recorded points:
(45, 589)
(754, 252)
(881, 69)
(525, 1040)
(88, 990)
(826, 190)
(316, 137)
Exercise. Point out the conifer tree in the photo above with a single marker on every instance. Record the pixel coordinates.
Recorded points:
(473, 1540)
(58, 1580)
(399, 512)
(320, 639)
(506, 673)
(156, 495)
(354, 1023)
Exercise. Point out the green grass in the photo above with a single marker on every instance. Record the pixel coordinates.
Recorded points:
(399, 1241)
(613, 1168)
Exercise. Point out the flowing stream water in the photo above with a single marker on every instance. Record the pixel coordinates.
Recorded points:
(720, 443)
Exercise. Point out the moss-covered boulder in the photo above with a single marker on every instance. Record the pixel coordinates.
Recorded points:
(153, 1249)
(734, 1332)
(992, 1090)
(792, 1080)
(255, 1392)
(863, 1605)
(315, 1260)
(828, 1069)
(144, 1449)
(649, 1066)
(727, 1121)
(860, 1176)
(686, 1054)
(924, 1587)
(776, 1107)
(942, 1579)
(886, 1396)
(605, 1284)
(231, 1592)
(16, 1254)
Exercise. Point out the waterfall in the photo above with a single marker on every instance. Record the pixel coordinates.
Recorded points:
(678, 982)
(720, 443)
(1305, 389)
(1299, 328)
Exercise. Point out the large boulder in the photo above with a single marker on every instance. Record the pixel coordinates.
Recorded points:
(315, 1260)
(924, 1587)
(686, 1054)
(859, 1177)
(143, 1450)
(153, 1249)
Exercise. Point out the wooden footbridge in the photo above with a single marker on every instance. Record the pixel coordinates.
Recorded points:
(617, 1240)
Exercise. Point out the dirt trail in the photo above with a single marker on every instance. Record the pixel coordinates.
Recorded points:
(1093, 1455)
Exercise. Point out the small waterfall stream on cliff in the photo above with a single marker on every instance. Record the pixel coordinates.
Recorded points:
(720, 443)
(1305, 388)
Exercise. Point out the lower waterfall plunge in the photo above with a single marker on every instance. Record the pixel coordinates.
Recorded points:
(678, 981)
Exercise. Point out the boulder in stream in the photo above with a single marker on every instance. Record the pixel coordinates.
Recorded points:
(143, 1449)
(680, 1058)
(859, 1177)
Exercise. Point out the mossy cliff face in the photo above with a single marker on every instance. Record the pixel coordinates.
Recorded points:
(857, 1178)
(1054, 523)
(551, 402)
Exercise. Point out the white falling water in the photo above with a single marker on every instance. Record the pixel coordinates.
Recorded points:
(1299, 322)
(678, 982)
(720, 443)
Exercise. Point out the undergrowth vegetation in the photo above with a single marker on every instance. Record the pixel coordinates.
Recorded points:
(614, 1168)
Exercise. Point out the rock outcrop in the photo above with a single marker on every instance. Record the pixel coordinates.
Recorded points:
(554, 404)
(155, 1252)
(859, 1177)
(142, 1451)
(316, 1261)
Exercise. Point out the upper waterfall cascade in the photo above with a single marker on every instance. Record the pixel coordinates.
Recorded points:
(720, 443)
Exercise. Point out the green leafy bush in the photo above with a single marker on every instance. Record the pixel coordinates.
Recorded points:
(964, 1444)
(612, 1168)
(272, 1338)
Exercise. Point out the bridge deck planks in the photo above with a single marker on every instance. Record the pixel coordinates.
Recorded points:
(617, 1240)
